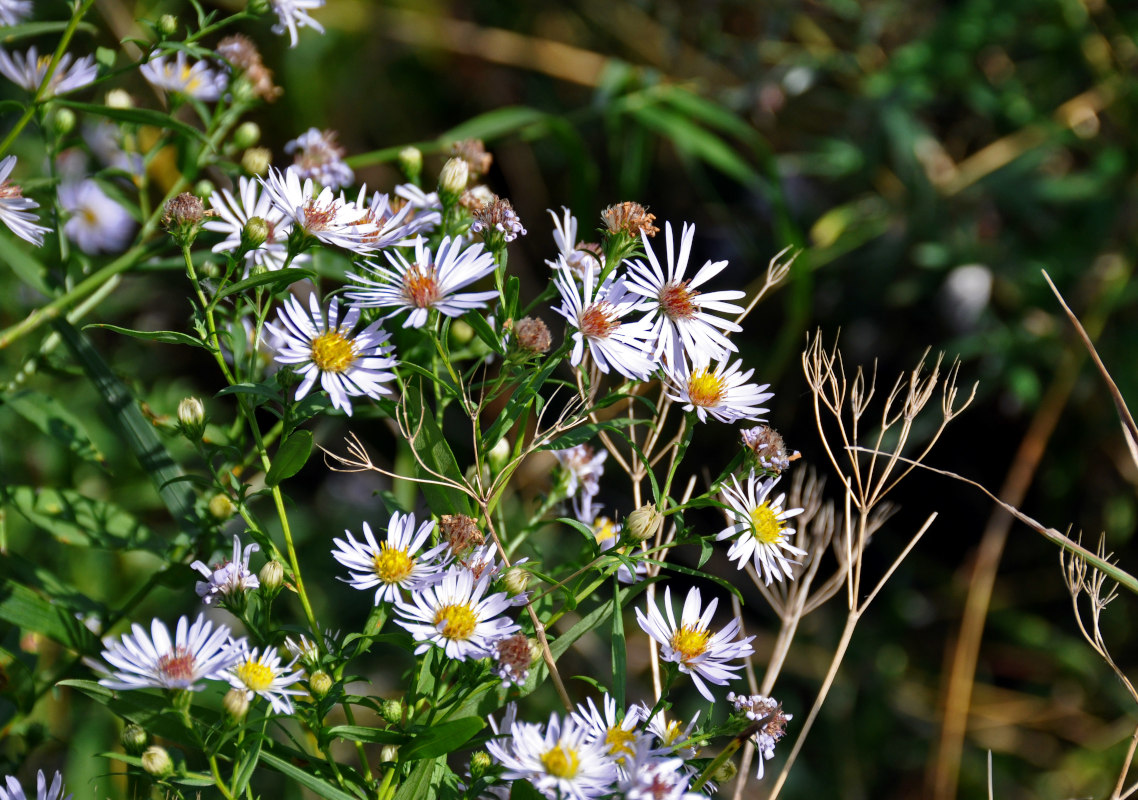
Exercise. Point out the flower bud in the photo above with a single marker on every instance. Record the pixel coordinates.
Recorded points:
(453, 180)
(479, 763)
(236, 703)
(391, 711)
(320, 683)
(134, 739)
(254, 234)
(183, 218)
(388, 754)
(644, 523)
(191, 418)
(167, 25)
(119, 98)
(221, 507)
(210, 269)
(157, 762)
(63, 121)
(460, 333)
(246, 135)
(256, 160)
(271, 577)
(499, 455)
(515, 580)
(726, 771)
(204, 188)
(411, 162)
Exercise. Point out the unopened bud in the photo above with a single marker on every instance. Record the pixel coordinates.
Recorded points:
(118, 98)
(134, 739)
(236, 703)
(411, 162)
(391, 711)
(256, 160)
(157, 762)
(254, 234)
(644, 523)
(499, 455)
(320, 683)
(515, 580)
(246, 135)
(479, 763)
(191, 418)
(221, 507)
(204, 188)
(210, 269)
(271, 577)
(461, 333)
(167, 25)
(453, 180)
(725, 772)
(388, 754)
(63, 121)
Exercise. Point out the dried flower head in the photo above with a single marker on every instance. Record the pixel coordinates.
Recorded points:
(460, 532)
(768, 712)
(473, 152)
(769, 448)
(513, 656)
(183, 217)
(533, 335)
(244, 56)
(318, 156)
(630, 218)
(497, 215)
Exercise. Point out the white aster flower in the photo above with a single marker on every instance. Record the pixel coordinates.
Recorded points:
(652, 777)
(722, 392)
(430, 282)
(197, 652)
(228, 577)
(559, 761)
(12, 790)
(582, 467)
(575, 254)
(394, 564)
(263, 675)
(426, 207)
(319, 157)
(293, 14)
(619, 735)
(691, 645)
(679, 313)
(105, 139)
(670, 734)
(596, 311)
(326, 217)
(13, 12)
(455, 616)
(392, 227)
(15, 209)
(97, 224)
(234, 212)
(194, 80)
(320, 346)
(760, 525)
(28, 70)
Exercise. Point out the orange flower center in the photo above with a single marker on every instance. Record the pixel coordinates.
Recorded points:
(677, 301)
(705, 389)
(599, 320)
(420, 286)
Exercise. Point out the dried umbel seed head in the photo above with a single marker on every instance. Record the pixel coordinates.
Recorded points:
(473, 152)
(240, 51)
(134, 739)
(644, 523)
(629, 218)
(460, 532)
(769, 449)
(497, 222)
(236, 704)
(514, 656)
(157, 762)
(183, 218)
(533, 335)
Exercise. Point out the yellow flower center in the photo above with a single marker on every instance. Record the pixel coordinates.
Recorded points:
(604, 528)
(332, 352)
(257, 676)
(392, 565)
(420, 286)
(677, 301)
(619, 740)
(705, 389)
(765, 526)
(560, 763)
(458, 622)
(689, 643)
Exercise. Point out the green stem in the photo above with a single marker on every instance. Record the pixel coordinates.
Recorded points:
(217, 779)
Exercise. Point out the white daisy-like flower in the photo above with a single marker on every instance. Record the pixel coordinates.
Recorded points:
(722, 392)
(568, 248)
(263, 675)
(430, 282)
(12, 790)
(696, 650)
(97, 223)
(455, 615)
(319, 157)
(670, 734)
(392, 227)
(619, 735)
(293, 14)
(320, 346)
(582, 468)
(596, 311)
(326, 217)
(197, 652)
(559, 761)
(395, 564)
(426, 207)
(234, 212)
(13, 12)
(27, 70)
(760, 525)
(196, 80)
(15, 209)
(679, 313)
(228, 577)
(648, 776)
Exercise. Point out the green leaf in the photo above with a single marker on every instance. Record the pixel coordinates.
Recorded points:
(619, 648)
(166, 337)
(245, 774)
(261, 390)
(283, 277)
(290, 457)
(52, 419)
(441, 739)
(693, 140)
(151, 711)
(581, 527)
(423, 780)
(359, 733)
(27, 267)
(304, 776)
(138, 116)
(73, 519)
(485, 332)
(432, 447)
(494, 124)
(11, 33)
(25, 608)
